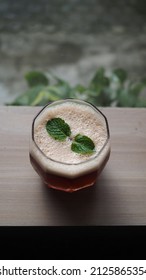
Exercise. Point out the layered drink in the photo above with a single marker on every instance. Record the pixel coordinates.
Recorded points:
(70, 144)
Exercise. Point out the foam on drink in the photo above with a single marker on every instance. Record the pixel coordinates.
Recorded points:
(59, 158)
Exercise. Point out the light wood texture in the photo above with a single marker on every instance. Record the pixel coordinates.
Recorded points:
(118, 198)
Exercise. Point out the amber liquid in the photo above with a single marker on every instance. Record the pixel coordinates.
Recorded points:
(66, 184)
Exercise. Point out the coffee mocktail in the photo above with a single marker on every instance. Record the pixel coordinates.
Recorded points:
(70, 144)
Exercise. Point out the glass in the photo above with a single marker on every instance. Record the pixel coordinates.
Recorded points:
(69, 177)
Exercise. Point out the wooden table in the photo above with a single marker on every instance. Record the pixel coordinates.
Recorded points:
(118, 198)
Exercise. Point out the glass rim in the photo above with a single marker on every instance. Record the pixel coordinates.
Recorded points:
(77, 101)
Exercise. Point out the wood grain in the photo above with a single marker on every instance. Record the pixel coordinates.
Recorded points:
(118, 198)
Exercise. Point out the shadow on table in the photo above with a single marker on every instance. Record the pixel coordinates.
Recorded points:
(91, 206)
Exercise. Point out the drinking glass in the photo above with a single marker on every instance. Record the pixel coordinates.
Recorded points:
(69, 177)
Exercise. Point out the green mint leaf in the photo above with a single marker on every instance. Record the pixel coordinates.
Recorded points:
(99, 79)
(58, 129)
(83, 145)
(28, 97)
(35, 78)
(121, 74)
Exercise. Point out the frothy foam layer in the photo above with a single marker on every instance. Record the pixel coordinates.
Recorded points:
(82, 120)
(60, 159)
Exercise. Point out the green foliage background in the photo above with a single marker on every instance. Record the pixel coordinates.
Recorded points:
(103, 90)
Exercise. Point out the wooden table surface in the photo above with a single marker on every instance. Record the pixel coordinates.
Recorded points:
(118, 198)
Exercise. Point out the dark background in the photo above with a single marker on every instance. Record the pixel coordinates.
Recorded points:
(67, 243)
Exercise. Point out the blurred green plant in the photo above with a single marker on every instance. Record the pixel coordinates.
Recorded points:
(114, 89)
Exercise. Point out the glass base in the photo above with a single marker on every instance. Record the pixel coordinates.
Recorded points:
(63, 183)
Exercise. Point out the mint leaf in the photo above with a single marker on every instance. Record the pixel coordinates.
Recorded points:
(121, 74)
(28, 97)
(99, 79)
(58, 129)
(83, 145)
(35, 78)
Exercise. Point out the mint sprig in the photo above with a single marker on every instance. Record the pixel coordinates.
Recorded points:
(82, 145)
(58, 129)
